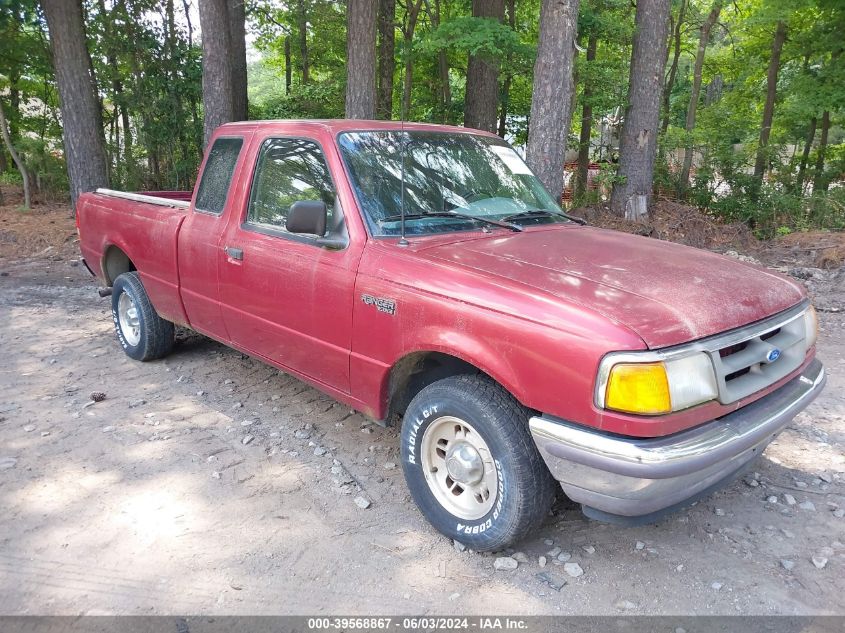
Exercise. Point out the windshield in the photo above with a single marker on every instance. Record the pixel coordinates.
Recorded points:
(463, 174)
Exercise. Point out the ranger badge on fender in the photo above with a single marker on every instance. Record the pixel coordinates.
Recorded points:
(388, 306)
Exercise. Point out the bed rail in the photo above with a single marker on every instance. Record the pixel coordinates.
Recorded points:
(139, 197)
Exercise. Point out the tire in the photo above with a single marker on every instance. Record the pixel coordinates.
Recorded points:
(143, 334)
(495, 426)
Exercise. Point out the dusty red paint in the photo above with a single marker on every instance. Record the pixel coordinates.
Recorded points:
(535, 310)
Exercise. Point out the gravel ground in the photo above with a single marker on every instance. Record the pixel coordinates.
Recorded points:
(210, 483)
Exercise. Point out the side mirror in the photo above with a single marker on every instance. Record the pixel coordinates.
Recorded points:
(307, 216)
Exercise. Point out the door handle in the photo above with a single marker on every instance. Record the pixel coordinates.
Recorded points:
(235, 253)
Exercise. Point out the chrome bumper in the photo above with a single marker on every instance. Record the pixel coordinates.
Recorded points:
(618, 478)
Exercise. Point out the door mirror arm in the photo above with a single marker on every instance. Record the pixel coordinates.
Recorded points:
(334, 242)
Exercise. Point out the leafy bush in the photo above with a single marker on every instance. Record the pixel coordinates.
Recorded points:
(316, 100)
(45, 164)
(10, 178)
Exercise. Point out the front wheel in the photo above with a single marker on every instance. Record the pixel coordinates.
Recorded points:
(471, 464)
(142, 333)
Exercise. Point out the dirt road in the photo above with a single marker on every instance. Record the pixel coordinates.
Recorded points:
(211, 483)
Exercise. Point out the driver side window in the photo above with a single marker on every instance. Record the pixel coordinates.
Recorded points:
(288, 170)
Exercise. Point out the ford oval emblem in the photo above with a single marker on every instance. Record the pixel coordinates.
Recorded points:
(773, 355)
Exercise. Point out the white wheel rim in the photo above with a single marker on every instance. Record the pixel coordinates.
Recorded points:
(458, 468)
(127, 316)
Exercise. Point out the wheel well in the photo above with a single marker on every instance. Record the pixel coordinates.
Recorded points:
(115, 263)
(418, 370)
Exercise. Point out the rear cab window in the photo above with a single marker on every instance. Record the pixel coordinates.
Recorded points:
(217, 175)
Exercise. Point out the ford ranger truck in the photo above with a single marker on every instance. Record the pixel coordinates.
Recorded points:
(422, 273)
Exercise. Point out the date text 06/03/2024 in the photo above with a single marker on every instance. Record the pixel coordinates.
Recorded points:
(417, 623)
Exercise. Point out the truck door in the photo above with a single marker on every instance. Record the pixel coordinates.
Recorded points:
(284, 298)
(199, 238)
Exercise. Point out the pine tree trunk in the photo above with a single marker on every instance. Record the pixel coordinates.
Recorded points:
(407, 84)
(237, 35)
(82, 133)
(361, 17)
(482, 87)
(769, 107)
(187, 9)
(14, 98)
(583, 173)
(386, 57)
(506, 84)
(695, 93)
(820, 180)
(116, 83)
(4, 132)
(805, 156)
(551, 99)
(631, 194)
(288, 69)
(445, 90)
(217, 94)
(673, 69)
(302, 25)
(117, 87)
(445, 87)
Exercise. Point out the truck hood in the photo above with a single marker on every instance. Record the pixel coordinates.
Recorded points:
(666, 293)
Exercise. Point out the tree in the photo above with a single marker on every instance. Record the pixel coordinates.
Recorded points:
(217, 90)
(552, 96)
(506, 84)
(638, 143)
(302, 29)
(361, 16)
(586, 125)
(408, 29)
(82, 129)
(805, 155)
(703, 39)
(224, 74)
(482, 87)
(673, 68)
(237, 38)
(771, 94)
(820, 181)
(7, 139)
(386, 57)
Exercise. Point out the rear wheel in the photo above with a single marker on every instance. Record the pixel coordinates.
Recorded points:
(142, 333)
(471, 464)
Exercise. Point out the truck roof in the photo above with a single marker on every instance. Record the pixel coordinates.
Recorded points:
(349, 125)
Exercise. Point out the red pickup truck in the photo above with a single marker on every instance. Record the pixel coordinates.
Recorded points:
(422, 272)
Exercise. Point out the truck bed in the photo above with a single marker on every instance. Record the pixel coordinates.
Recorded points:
(147, 226)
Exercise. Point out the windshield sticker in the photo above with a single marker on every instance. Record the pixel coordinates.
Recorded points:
(511, 159)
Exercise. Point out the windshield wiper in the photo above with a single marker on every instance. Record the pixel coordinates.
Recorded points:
(449, 214)
(543, 213)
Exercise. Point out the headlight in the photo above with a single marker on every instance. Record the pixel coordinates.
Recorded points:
(659, 387)
(811, 326)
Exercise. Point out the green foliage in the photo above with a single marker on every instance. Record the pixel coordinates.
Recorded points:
(45, 164)
(317, 100)
(147, 65)
(484, 37)
(11, 178)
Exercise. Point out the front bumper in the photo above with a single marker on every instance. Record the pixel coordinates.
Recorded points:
(631, 480)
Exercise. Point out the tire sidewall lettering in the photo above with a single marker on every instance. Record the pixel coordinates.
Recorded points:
(412, 450)
(412, 437)
(485, 523)
(118, 291)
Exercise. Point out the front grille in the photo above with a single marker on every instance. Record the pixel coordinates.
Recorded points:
(746, 366)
